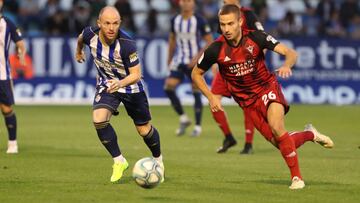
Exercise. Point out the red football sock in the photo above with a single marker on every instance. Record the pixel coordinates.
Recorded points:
(301, 137)
(221, 120)
(288, 151)
(249, 129)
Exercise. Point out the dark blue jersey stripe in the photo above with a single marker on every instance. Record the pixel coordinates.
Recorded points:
(6, 45)
(181, 42)
(189, 41)
(99, 50)
(111, 52)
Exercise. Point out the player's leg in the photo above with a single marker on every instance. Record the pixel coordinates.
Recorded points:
(104, 106)
(137, 107)
(275, 116)
(171, 82)
(6, 103)
(218, 88)
(249, 134)
(198, 107)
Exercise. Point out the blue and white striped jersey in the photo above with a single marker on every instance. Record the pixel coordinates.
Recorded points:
(188, 34)
(114, 61)
(8, 32)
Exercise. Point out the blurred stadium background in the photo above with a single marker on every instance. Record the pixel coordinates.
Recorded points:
(325, 33)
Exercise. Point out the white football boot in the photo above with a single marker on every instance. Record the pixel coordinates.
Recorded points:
(12, 147)
(297, 183)
(319, 138)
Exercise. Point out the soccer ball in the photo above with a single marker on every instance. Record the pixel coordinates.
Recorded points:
(147, 173)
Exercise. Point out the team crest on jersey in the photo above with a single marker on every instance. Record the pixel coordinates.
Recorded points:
(97, 98)
(117, 55)
(250, 48)
(133, 57)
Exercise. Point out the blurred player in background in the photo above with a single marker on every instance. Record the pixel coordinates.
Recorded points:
(239, 55)
(8, 31)
(187, 31)
(218, 88)
(119, 80)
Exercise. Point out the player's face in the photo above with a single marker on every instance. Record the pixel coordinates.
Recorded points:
(230, 26)
(109, 24)
(187, 5)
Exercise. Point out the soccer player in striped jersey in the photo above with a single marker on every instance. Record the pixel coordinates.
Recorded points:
(9, 32)
(119, 80)
(187, 32)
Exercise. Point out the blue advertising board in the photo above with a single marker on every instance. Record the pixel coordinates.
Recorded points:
(327, 72)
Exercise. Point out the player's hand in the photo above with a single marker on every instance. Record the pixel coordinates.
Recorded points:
(80, 56)
(113, 85)
(215, 104)
(284, 72)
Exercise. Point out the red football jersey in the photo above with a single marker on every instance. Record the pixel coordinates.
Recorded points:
(243, 67)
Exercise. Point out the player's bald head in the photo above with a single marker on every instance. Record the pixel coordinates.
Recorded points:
(109, 12)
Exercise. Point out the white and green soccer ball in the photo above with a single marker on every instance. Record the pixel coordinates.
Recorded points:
(147, 173)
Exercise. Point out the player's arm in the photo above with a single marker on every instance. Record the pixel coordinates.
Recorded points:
(171, 48)
(206, 60)
(79, 53)
(133, 77)
(290, 59)
(21, 51)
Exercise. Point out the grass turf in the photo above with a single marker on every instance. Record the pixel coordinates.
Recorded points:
(61, 159)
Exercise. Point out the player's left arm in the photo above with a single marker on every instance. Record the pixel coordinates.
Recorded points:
(133, 77)
(266, 41)
(290, 59)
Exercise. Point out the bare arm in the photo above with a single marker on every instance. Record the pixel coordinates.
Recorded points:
(172, 46)
(290, 59)
(197, 76)
(132, 78)
(21, 51)
(79, 54)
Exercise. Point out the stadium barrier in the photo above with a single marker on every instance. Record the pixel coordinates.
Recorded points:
(327, 72)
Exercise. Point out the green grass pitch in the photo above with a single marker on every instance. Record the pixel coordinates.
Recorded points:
(61, 159)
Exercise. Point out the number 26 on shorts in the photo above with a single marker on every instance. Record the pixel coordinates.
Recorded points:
(267, 97)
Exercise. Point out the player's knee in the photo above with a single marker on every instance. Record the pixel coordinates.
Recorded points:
(5, 109)
(8, 113)
(144, 129)
(101, 125)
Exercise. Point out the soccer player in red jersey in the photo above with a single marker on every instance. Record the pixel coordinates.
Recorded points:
(241, 62)
(218, 88)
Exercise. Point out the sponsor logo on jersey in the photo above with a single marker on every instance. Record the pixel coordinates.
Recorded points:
(133, 57)
(271, 39)
(250, 48)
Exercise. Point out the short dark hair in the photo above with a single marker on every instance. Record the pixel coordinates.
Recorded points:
(230, 8)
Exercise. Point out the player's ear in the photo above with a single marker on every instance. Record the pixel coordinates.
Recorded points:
(240, 22)
(98, 23)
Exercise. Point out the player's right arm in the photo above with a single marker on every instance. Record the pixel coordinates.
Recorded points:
(79, 53)
(206, 60)
(171, 42)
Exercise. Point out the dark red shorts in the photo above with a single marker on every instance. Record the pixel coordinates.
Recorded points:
(258, 110)
(218, 86)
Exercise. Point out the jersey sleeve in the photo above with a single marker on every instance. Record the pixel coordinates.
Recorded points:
(264, 40)
(87, 34)
(203, 26)
(14, 31)
(129, 53)
(209, 57)
(252, 20)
